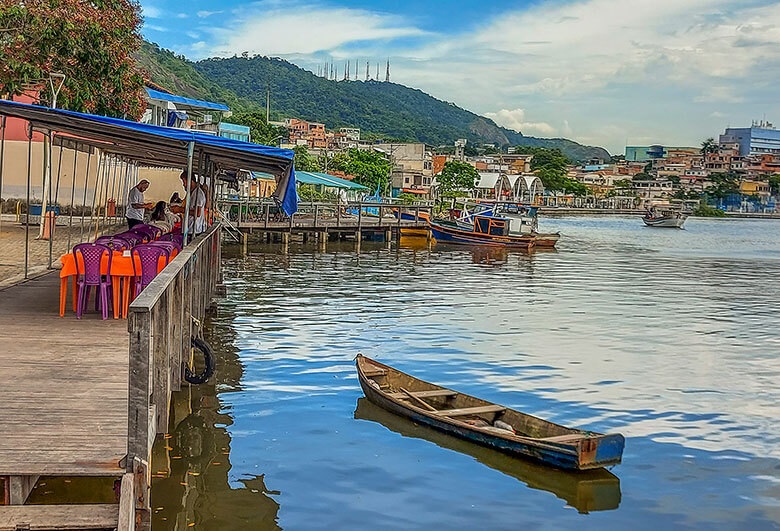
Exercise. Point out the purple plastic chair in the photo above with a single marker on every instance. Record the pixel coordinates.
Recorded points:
(150, 232)
(168, 246)
(88, 275)
(148, 257)
(176, 237)
(117, 243)
(133, 238)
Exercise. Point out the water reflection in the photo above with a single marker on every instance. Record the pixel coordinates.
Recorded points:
(191, 485)
(593, 490)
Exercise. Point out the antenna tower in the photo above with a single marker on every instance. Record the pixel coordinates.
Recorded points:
(387, 73)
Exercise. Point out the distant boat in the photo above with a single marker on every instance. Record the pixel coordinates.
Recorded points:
(486, 423)
(664, 217)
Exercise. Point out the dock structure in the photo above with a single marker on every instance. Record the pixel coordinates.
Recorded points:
(325, 220)
(86, 398)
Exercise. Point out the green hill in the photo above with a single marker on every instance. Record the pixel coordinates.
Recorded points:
(379, 109)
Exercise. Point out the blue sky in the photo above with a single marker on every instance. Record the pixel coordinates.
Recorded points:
(601, 72)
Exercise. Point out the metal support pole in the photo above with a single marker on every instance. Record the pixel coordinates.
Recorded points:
(53, 220)
(86, 187)
(2, 160)
(187, 200)
(27, 220)
(72, 193)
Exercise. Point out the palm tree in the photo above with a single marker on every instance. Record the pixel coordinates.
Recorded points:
(709, 146)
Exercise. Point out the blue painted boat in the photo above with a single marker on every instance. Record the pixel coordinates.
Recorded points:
(486, 423)
(485, 230)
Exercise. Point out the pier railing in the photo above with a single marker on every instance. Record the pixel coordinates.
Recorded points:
(161, 322)
(317, 215)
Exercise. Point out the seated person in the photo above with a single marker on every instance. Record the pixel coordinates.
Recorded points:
(162, 217)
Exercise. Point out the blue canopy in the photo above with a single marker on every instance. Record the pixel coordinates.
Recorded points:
(181, 101)
(325, 179)
(164, 146)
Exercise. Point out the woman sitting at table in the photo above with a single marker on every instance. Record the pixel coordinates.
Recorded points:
(162, 217)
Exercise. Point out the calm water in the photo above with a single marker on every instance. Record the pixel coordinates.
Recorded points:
(669, 337)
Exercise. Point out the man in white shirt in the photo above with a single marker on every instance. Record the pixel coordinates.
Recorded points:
(197, 205)
(135, 204)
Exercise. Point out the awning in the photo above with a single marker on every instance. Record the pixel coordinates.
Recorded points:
(325, 179)
(158, 146)
(185, 104)
(414, 191)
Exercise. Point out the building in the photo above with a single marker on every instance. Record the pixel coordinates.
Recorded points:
(758, 139)
(412, 167)
(303, 133)
(656, 151)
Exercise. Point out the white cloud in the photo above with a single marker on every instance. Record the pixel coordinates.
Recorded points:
(598, 71)
(206, 14)
(150, 11)
(308, 30)
(515, 120)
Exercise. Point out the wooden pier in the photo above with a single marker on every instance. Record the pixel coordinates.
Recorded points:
(87, 397)
(324, 219)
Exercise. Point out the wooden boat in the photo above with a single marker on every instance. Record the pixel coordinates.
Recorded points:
(481, 421)
(586, 490)
(664, 215)
(413, 215)
(486, 230)
(671, 221)
(546, 239)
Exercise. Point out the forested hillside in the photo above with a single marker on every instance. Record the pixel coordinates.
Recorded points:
(379, 109)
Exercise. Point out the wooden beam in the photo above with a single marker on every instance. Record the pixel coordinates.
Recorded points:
(127, 504)
(58, 517)
(493, 408)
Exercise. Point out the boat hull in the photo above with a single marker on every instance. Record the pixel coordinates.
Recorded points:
(453, 234)
(582, 451)
(665, 222)
(546, 239)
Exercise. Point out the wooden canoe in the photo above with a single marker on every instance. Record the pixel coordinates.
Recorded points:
(585, 490)
(474, 419)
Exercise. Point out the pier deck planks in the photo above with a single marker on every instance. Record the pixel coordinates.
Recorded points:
(63, 386)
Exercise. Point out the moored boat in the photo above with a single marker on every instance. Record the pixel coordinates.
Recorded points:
(485, 230)
(585, 490)
(486, 423)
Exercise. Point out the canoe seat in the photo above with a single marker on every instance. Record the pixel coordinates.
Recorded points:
(371, 373)
(426, 394)
(569, 437)
(493, 408)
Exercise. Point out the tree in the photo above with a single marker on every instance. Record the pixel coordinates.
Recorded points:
(455, 177)
(259, 130)
(774, 184)
(724, 184)
(91, 43)
(370, 168)
(709, 146)
(304, 161)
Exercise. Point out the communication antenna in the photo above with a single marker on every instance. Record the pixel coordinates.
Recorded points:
(387, 73)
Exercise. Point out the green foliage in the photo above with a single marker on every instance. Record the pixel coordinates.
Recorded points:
(624, 184)
(370, 168)
(724, 184)
(709, 146)
(308, 192)
(774, 184)
(259, 130)
(304, 161)
(551, 167)
(457, 178)
(89, 42)
(408, 199)
(704, 210)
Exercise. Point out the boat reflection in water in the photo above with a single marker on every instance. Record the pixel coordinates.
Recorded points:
(586, 491)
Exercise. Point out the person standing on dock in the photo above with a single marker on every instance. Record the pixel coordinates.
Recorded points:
(197, 214)
(135, 204)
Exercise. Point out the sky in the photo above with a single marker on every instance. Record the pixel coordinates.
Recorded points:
(609, 73)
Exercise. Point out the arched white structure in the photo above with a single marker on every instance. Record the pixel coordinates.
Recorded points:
(527, 187)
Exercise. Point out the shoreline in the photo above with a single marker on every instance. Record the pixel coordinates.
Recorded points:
(566, 211)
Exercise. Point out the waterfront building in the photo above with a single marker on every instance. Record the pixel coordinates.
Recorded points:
(412, 163)
(656, 151)
(760, 138)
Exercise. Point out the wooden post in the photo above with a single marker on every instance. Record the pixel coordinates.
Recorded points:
(323, 237)
(285, 242)
(358, 239)
(19, 488)
(244, 243)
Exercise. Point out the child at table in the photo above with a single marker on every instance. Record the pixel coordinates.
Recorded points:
(162, 217)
